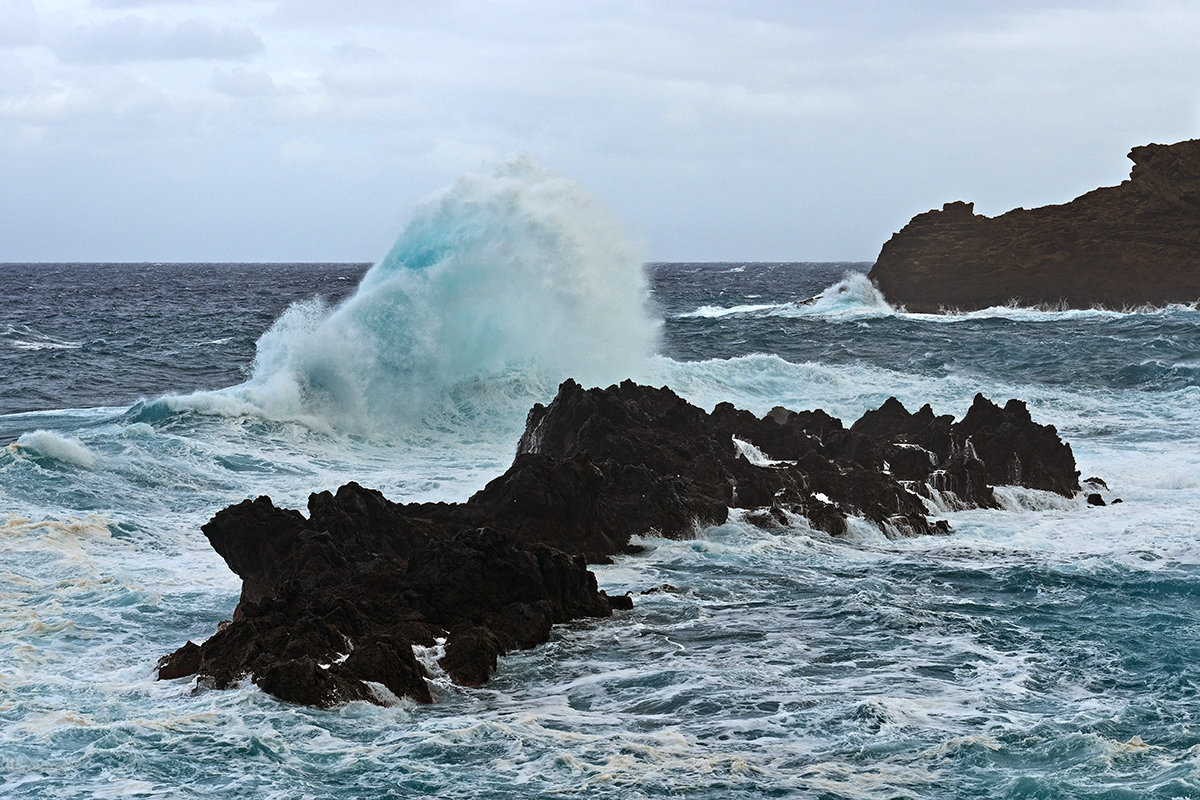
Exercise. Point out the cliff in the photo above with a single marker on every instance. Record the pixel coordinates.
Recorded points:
(1137, 243)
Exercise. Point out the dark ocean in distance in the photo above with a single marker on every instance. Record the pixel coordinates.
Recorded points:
(1048, 649)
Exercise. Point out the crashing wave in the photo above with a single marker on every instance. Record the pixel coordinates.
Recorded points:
(506, 279)
(50, 445)
(853, 295)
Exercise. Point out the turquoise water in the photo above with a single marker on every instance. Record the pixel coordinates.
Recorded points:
(1048, 649)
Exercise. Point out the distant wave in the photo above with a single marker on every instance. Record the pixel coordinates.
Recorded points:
(1158, 375)
(1052, 313)
(856, 296)
(852, 296)
(715, 312)
(23, 337)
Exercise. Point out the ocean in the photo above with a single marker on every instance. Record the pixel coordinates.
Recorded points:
(1049, 649)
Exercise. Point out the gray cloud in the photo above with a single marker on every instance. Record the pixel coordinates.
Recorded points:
(240, 82)
(136, 38)
(119, 4)
(774, 130)
(18, 23)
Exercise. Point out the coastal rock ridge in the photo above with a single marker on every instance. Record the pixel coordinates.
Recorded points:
(365, 598)
(1118, 247)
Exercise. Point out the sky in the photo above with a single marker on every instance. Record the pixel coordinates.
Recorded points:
(307, 130)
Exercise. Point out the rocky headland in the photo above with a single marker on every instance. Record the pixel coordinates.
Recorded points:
(363, 598)
(1117, 247)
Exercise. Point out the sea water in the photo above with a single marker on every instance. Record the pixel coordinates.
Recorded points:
(1047, 649)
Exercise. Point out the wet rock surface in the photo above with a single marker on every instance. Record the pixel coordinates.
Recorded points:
(333, 604)
(1122, 246)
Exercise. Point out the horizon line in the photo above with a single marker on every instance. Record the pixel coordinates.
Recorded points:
(161, 263)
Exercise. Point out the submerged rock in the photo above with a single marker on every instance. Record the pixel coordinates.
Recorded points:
(1134, 244)
(332, 604)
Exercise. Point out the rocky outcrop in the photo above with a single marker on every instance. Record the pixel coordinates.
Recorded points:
(337, 605)
(1122, 246)
(959, 463)
(332, 604)
(662, 456)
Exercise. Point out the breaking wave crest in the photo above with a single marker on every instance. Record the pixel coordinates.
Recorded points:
(505, 279)
(852, 296)
(855, 296)
(50, 445)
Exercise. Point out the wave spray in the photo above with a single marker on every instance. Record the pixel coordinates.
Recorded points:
(506, 282)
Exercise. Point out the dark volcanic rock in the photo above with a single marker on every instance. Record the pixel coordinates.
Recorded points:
(1017, 451)
(990, 446)
(332, 604)
(337, 609)
(184, 661)
(471, 656)
(1133, 244)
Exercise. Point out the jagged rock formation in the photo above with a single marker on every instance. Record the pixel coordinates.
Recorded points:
(1122, 246)
(332, 604)
(335, 602)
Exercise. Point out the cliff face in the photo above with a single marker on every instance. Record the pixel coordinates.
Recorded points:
(1133, 244)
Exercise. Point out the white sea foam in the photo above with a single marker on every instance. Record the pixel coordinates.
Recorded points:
(23, 337)
(1050, 313)
(856, 296)
(760, 381)
(754, 455)
(716, 312)
(1020, 498)
(852, 296)
(49, 444)
(777, 655)
(430, 659)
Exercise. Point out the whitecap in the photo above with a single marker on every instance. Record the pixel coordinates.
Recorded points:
(1016, 312)
(23, 337)
(716, 312)
(48, 444)
(853, 296)
(43, 345)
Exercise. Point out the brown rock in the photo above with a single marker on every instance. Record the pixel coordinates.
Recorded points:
(1122, 246)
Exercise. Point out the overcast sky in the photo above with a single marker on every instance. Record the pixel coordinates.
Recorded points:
(188, 130)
